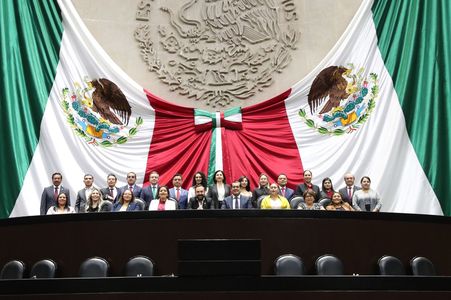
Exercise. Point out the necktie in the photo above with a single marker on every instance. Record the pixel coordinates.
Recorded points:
(283, 191)
(154, 192)
(111, 193)
(237, 204)
(349, 193)
(177, 194)
(131, 188)
(55, 194)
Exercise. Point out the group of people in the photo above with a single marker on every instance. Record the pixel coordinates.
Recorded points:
(219, 195)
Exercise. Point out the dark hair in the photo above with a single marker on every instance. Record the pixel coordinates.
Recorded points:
(203, 182)
(223, 175)
(57, 173)
(248, 186)
(364, 178)
(66, 206)
(341, 197)
(177, 174)
(121, 200)
(198, 185)
(307, 171)
(281, 175)
(331, 184)
(309, 192)
(159, 188)
(111, 174)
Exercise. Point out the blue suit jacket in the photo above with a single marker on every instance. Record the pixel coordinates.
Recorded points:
(289, 193)
(136, 190)
(183, 200)
(245, 202)
(131, 207)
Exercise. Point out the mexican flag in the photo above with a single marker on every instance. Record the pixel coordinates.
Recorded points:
(67, 107)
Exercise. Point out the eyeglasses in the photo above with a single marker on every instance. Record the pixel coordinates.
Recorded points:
(131, 176)
(235, 186)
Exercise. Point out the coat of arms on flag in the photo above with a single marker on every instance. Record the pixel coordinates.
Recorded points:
(99, 112)
(344, 97)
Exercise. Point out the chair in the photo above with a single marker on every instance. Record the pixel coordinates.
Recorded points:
(295, 202)
(94, 267)
(421, 266)
(329, 265)
(288, 265)
(45, 268)
(325, 202)
(141, 203)
(390, 265)
(259, 200)
(106, 206)
(139, 266)
(13, 269)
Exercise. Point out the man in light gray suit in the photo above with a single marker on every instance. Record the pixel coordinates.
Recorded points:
(236, 200)
(50, 193)
(84, 193)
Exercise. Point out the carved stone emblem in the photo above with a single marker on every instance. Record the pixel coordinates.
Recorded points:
(217, 50)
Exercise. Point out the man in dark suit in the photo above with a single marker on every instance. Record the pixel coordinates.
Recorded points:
(50, 193)
(236, 200)
(285, 191)
(348, 191)
(149, 193)
(131, 185)
(84, 193)
(177, 192)
(111, 192)
(301, 188)
(199, 201)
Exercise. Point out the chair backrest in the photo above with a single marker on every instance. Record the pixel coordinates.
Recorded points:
(13, 269)
(329, 265)
(94, 267)
(421, 266)
(139, 266)
(259, 200)
(325, 202)
(288, 265)
(294, 202)
(106, 206)
(45, 268)
(141, 203)
(390, 265)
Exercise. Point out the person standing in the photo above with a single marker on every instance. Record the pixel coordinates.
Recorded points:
(348, 191)
(177, 192)
(282, 181)
(218, 190)
(150, 192)
(366, 199)
(131, 185)
(308, 185)
(84, 193)
(111, 192)
(50, 194)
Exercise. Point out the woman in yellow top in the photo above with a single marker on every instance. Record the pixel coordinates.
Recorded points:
(274, 200)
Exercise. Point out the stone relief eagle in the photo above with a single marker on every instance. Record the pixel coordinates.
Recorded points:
(329, 82)
(107, 98)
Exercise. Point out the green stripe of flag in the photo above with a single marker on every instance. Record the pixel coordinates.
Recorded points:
(30, 38)
(414, 39)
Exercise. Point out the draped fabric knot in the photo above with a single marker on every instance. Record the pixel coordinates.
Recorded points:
(230, 119)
